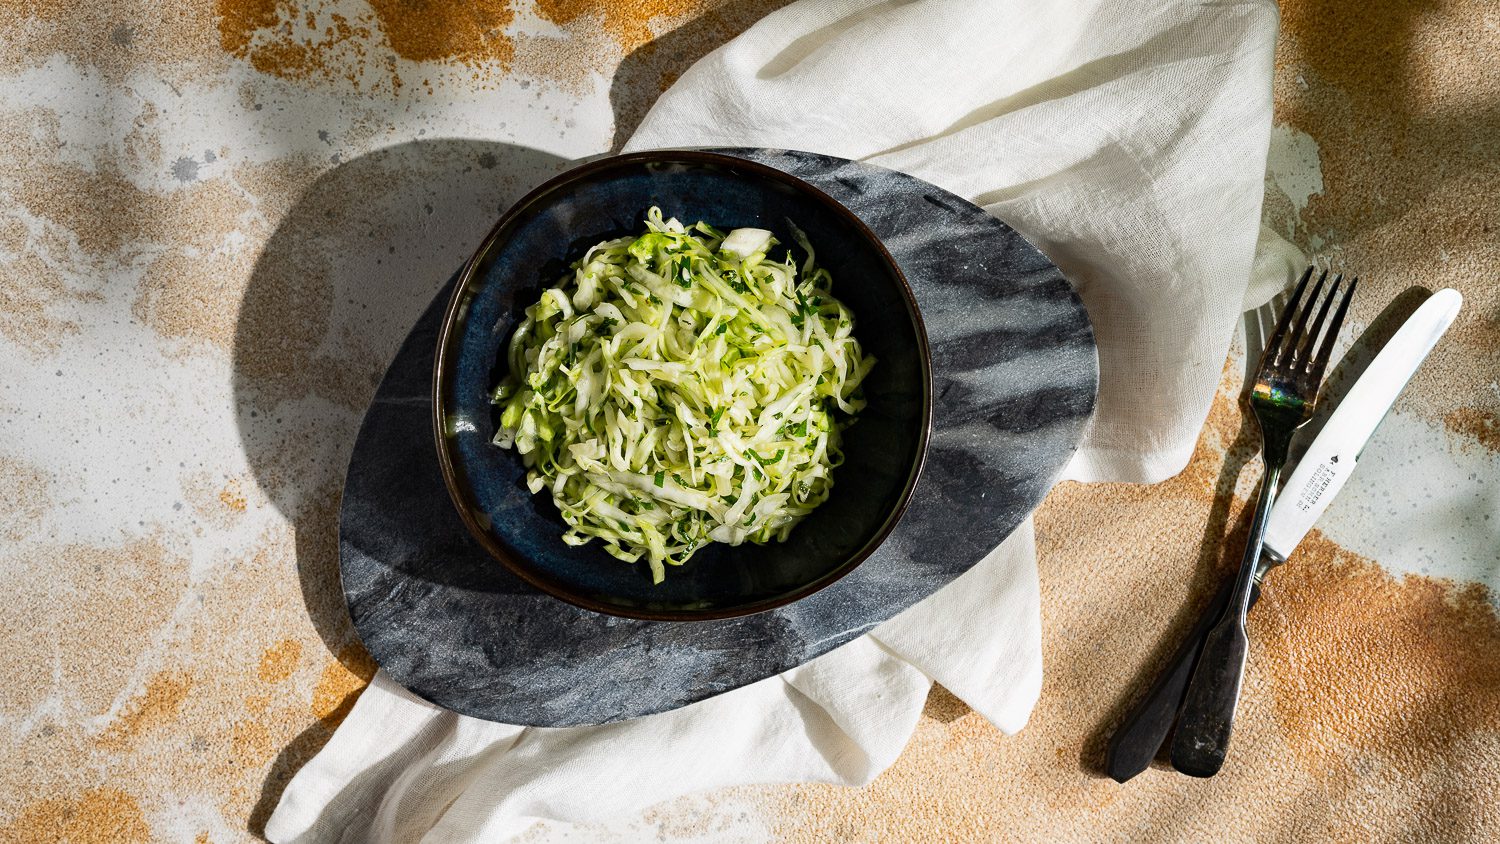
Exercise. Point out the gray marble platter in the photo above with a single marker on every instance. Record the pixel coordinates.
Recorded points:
(1014, 382)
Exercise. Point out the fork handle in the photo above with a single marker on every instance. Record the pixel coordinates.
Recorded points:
(1207, 718)
(1140, 736)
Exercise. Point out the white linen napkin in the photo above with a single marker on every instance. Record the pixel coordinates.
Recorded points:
(1128, 141)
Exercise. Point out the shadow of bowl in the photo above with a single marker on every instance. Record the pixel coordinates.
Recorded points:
(352, 263)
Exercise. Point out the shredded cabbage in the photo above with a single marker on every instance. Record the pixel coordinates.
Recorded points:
(682, 387)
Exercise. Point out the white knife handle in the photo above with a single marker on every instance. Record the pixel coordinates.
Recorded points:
(1319, 476)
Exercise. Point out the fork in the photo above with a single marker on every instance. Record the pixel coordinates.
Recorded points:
(1285, 392)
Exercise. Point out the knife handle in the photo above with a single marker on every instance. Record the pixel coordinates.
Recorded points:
(1141, 735)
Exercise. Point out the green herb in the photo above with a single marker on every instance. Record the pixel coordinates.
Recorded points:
(680, 272)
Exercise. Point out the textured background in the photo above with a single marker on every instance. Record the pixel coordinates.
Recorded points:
(217, 222)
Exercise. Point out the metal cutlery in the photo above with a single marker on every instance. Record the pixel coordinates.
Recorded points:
(1317, 478)
(1283, 399)
(1326, 465)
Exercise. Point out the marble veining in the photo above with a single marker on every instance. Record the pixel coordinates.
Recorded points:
(1015, 374)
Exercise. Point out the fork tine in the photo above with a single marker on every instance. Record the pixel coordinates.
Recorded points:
(1320, 363)
(1270, 354)
(1304, 354)
(1289, 355)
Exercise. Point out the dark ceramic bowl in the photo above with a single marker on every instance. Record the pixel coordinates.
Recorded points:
(530, 249)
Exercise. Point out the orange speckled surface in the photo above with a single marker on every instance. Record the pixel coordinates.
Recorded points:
(219, 220)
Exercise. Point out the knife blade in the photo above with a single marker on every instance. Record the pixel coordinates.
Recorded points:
(1326, 465)
(1317, 478)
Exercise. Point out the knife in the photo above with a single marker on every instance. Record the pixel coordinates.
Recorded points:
(1326, 465)
(1318, 477)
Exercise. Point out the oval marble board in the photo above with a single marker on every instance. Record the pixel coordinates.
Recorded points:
(1014, 382)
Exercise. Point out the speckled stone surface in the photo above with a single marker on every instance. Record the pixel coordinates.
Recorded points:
(1014, 379)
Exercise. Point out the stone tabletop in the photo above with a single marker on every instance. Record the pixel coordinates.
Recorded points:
(218, 225)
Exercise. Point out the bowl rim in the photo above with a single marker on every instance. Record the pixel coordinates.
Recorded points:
(453, 478)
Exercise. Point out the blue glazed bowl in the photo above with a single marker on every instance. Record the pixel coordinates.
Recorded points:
(530, 249)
